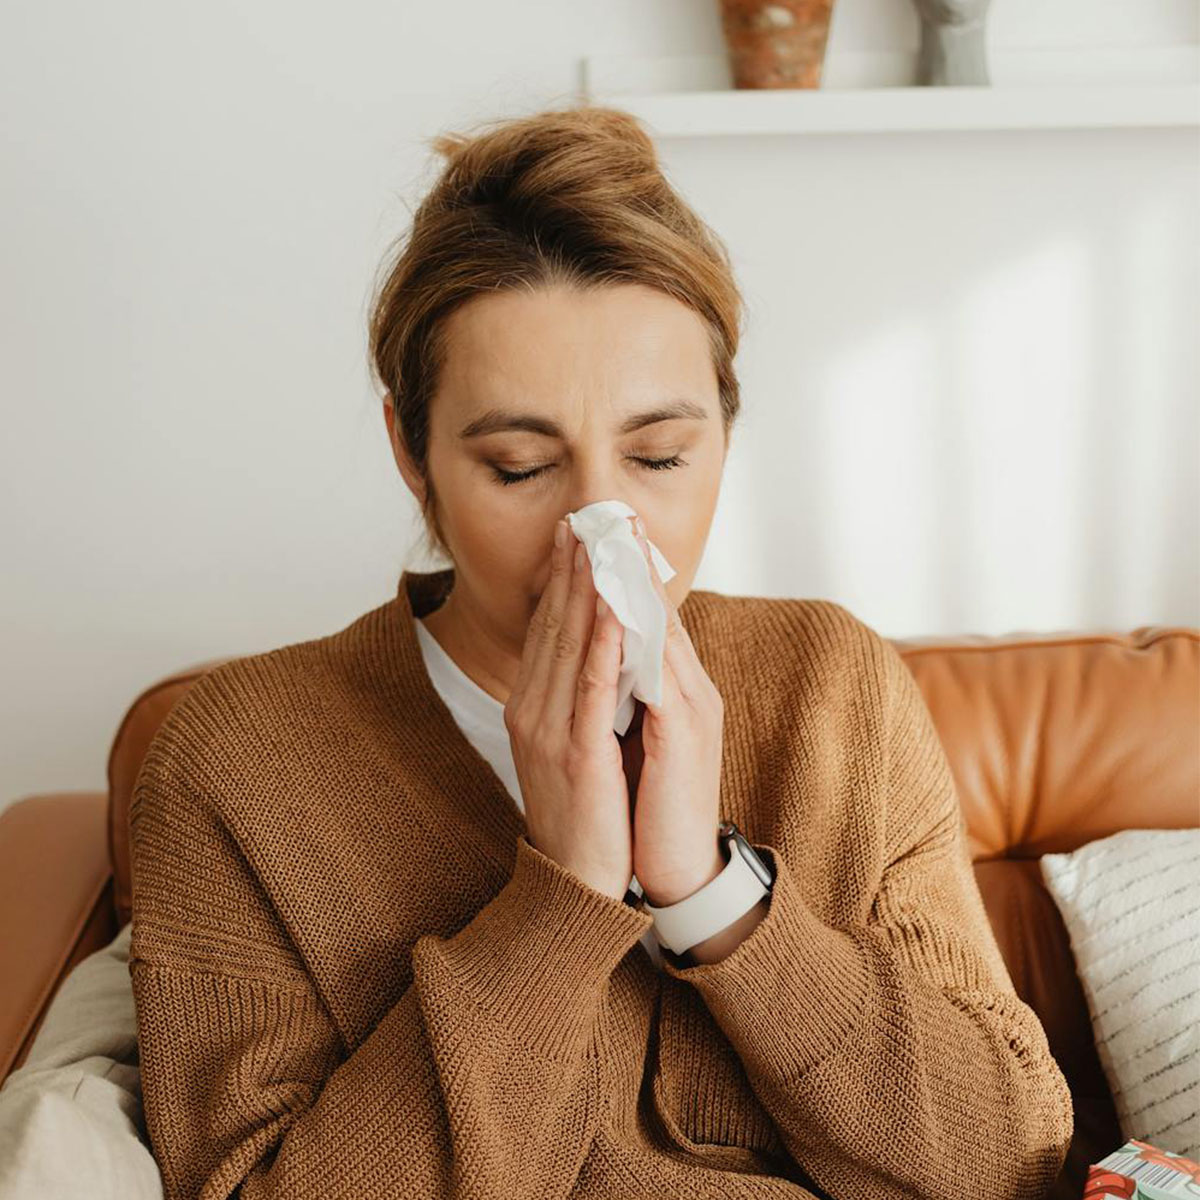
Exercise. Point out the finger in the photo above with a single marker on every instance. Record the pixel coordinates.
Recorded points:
(672, 695)
(574, 635)
(543, 625)
(596, 689)
(690, 676)
(674, 625)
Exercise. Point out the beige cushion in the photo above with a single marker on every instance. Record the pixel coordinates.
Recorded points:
(71, 1116)
(1131, 904)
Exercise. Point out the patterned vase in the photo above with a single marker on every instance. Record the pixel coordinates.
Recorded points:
(776, 45)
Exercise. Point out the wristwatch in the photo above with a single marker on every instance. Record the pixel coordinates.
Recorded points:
(746, 879)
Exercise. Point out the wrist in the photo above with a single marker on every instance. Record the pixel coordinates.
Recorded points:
(717, 909)
(663, 893)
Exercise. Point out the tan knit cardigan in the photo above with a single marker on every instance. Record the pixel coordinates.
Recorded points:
(354, 976)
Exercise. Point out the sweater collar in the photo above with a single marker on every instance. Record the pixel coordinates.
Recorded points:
(453, 767)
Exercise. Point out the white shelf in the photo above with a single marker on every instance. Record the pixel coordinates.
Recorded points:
(872, 93)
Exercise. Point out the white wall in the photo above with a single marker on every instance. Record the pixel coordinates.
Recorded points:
(970, 372)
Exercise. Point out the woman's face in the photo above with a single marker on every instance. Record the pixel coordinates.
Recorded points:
(568, 396)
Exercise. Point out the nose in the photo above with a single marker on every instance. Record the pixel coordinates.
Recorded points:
(596, 498)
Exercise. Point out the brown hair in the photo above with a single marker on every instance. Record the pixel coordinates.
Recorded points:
(570, 196)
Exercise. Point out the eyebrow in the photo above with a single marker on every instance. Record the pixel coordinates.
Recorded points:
(496, 420)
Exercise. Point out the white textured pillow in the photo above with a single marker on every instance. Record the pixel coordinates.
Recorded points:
(71, 1116)
(1131, 904)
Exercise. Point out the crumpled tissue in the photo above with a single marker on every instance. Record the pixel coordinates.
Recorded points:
(622, 576)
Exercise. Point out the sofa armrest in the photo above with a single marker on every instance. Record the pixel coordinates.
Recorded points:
(55, 905)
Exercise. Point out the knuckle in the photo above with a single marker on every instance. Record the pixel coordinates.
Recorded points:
(591, 679)
(566, 646)
(537, 623)
(547, 631)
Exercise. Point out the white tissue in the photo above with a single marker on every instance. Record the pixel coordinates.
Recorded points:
(622, 576)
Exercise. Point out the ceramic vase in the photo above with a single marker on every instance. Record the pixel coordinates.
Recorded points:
(776, 45)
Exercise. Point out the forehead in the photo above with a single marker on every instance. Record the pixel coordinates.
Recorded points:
(558, 344)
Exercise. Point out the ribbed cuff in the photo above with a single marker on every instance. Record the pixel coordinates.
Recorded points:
(537, 956)
(793, 990)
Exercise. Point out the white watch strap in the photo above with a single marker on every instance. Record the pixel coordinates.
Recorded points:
(716, 905)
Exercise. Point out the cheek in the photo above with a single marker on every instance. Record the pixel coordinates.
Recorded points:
(506, 557)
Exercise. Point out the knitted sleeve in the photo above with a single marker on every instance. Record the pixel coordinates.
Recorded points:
(894, 1055)
(483, 1079)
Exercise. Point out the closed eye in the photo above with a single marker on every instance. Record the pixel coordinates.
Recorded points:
(651, 464)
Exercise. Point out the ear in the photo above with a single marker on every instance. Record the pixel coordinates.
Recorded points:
(408, 469)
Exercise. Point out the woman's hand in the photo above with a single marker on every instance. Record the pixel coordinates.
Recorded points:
(560, 718)
(677, 813)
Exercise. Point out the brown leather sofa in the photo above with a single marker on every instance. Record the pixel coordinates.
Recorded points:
(1055, 740)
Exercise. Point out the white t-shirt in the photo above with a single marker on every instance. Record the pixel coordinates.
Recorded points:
(481, 718)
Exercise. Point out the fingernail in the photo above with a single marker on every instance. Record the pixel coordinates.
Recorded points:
(560, 533)
(641, 528)
(601, 607)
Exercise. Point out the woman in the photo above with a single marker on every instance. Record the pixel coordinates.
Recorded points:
(366, 965)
